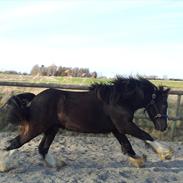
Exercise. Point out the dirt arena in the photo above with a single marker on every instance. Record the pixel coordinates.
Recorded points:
(91, 159)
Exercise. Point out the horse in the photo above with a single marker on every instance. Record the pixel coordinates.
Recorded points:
(104, 108)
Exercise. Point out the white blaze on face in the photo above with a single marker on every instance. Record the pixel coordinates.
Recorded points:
(6, 160)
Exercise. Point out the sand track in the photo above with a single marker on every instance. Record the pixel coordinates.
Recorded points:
(91, 159)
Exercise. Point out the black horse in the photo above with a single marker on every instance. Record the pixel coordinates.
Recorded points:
(104, 108)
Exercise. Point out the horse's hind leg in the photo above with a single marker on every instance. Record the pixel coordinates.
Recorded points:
(127, 149)
(14, 143)
(125, 144)
(27, 133)
(44, 146)
(45, 143)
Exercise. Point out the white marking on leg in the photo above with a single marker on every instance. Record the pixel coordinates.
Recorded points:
(6, 160)
(157, 146)
(137, 161)
(50, 160)
(164, 151)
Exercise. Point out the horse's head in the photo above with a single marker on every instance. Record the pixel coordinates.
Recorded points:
(157, 108)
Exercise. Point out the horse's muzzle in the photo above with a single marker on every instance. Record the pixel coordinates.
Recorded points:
(160, 124)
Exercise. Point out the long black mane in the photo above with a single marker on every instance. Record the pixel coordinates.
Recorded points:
(124, 90)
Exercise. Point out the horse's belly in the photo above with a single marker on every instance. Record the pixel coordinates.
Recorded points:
(85, 118)
(89, 126)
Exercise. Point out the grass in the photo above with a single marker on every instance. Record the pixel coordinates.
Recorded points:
(76, 80)
(169, 83)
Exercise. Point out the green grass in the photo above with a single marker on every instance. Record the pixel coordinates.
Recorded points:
(169, 83)
(76, 80)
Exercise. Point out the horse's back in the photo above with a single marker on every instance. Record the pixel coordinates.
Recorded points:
(77, 111)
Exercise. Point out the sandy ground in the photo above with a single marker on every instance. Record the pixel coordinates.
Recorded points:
(91, 159)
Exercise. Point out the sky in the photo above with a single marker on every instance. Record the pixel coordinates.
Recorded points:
(126, 37)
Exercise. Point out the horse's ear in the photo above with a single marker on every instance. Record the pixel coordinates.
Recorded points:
(164, 90)
(167, 90)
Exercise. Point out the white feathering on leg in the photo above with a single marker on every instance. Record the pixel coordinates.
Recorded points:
(50, 160)
(156, 145)
(164, 152)
(6, 160)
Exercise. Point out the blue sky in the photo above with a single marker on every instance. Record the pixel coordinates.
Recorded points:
(126, 37)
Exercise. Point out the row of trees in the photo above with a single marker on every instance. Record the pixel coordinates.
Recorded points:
(54, 70)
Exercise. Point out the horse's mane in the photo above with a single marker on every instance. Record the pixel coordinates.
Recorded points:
(121, 88)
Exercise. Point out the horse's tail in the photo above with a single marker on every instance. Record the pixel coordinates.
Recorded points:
(17, 107)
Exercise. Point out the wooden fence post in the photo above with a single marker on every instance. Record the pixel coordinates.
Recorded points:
(173, 128)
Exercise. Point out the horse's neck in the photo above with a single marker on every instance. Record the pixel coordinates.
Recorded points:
(147, 96)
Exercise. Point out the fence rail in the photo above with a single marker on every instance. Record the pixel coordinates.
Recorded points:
(62, 86)
(44, 85)
(178, 93)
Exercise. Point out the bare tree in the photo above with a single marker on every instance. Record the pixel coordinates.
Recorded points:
(35, 70)
(51, 70)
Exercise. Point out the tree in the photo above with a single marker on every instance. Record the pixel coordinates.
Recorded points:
(35, 70)
(51, 70)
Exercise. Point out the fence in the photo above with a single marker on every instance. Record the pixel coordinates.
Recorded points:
(174, 118)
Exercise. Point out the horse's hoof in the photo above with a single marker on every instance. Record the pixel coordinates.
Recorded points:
(60, 164)
(53, 162)
(3, 166)
(165, 154)
(137, 161)
(163, 151)
(5, 161)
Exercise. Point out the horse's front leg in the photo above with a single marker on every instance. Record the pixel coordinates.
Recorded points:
(126, 147)
(120, 117)
(44, 146)
(163, 151)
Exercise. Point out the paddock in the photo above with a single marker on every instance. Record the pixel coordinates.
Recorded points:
(90, 158)
(175, 116)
